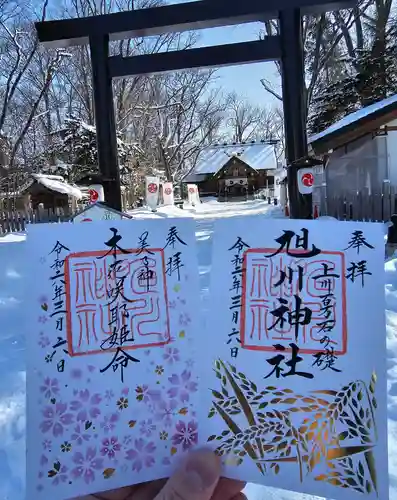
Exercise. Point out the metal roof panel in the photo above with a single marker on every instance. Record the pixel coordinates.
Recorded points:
(353, 118)
(259, 156)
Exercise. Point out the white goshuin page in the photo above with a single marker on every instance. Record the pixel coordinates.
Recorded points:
(295, 390)
(112, 383)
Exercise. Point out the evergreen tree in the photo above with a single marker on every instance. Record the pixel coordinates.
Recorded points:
(370, 69)
(74, 153)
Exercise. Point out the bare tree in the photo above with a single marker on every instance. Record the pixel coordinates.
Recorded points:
(325, 38)
(21, 92)
(177, 118)
(247, 122)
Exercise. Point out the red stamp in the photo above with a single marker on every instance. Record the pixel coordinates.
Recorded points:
(99, 304)
(289, 300)
(168, 191)
(152, 188)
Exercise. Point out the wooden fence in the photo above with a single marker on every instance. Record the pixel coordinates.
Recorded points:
(374, 207)
(15, 221)
(360, 207)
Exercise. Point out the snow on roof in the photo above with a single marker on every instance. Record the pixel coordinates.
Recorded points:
(354, 118)
(58, 184)
(194, 178)
(102, 206)
(258, 155)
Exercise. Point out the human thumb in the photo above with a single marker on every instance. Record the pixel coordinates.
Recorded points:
(196, 479)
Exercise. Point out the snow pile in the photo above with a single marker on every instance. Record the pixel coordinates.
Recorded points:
(162, 211)
(213, 209)
(58, 184)
(210, 209)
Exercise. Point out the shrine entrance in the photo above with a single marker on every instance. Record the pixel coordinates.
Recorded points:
(98, 31)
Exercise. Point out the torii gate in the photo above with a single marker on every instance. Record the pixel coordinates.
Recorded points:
(287, 47)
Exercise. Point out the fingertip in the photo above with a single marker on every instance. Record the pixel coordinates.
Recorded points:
(239, 496)
(228, 488)
(206, 464)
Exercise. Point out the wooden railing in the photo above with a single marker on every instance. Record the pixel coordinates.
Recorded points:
(374, 207)
(17, 220)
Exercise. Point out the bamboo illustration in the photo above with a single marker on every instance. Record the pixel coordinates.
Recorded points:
(259, 426)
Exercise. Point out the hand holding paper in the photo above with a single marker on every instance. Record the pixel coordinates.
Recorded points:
(112, 384)
(296, 392)
(285, 381)
(197, 478)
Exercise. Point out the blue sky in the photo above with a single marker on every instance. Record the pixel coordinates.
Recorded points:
(245, 79)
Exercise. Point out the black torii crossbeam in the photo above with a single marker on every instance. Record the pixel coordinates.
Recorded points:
(98, 31)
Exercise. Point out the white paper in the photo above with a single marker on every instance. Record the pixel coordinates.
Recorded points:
(305, 180)
(193, 195)
(112, 382)
(312, 420)
(97, 213)
(168, 193)
(152, 192)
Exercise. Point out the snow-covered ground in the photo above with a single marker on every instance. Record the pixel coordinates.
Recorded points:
(12, 344)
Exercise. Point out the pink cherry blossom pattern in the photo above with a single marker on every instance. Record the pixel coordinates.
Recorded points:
(171, 355)
(185, 434)
(61, 477)
(110, 447)
(47, 444)
(181, 386)
(55, 418)
(109, 422)
(86, 405)
(43, 341)
(142, 454)
(50, 388)
(165, 411)
(147, 427)
(109, 395)
(76, 373)
(190, 363)
(79, 435)
(127, 440)
(146, 395)
(184, 319)
(86, 465)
